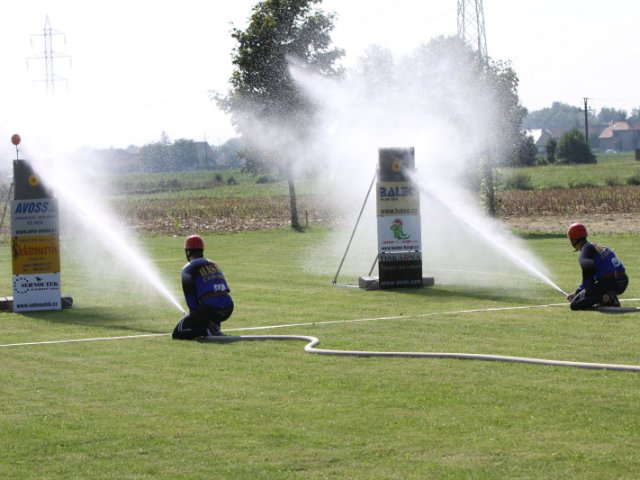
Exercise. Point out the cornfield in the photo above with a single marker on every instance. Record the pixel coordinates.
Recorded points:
(179, 216)
(227, 214)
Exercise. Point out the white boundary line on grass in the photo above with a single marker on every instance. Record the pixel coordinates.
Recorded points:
(270, 327)
(306, 324)
(79, 340)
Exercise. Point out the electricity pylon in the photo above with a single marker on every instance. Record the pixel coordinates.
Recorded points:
(471, 31)
(471, 26)
(48, 56)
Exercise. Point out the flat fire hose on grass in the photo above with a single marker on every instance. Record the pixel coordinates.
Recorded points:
(312, 342)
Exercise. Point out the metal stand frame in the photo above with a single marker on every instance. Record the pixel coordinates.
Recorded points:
(6, 204)
(366, 198)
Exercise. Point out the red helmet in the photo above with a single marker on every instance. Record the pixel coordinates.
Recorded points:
(577, 231)
(194, 242)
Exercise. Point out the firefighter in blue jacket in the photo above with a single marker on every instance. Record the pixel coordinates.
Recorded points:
(603, 274)
(206, 293)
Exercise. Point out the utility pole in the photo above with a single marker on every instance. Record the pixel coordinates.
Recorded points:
(48, 56)
(586, 119)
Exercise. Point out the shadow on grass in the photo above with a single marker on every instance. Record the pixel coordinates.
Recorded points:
(474, 293)
(540, 235)
(102, 317)
(618, 310)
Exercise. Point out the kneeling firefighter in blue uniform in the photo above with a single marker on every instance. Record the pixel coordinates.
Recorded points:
(206, 293)
(603, 274)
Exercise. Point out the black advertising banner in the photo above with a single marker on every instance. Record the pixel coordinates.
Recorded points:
(395, 164)
(28, 184)
(400, 269)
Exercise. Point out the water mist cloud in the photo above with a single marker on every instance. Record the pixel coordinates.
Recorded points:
(437, 105)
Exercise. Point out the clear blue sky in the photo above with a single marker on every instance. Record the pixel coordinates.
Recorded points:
(135, 69)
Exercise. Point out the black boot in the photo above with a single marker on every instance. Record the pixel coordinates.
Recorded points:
(610, 299)
(214, 329)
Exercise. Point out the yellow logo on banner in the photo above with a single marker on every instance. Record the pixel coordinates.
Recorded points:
(396, 166)
(33, 180)
(35, 254)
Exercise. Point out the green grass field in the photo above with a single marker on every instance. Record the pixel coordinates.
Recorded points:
(148, 407)
(613, 169)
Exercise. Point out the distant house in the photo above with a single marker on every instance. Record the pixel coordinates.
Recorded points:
(540, 137)
(620, 136)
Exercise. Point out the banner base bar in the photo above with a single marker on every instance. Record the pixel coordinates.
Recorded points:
(6, 303)
(373, 283)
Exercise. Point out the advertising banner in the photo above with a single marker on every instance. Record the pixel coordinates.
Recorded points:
(34, 217)
(396, 234)
(398, 212)
(36, 292)
(397, 198)
(400, 269)
(35, 254)
(35, 245)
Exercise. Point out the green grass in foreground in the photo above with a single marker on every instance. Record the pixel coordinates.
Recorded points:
(153, 408)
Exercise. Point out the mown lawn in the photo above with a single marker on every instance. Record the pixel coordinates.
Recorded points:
(150, 407)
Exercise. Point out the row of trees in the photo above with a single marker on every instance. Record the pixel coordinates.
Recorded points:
(563, 116)
(183, 154)
(570, 148)
(166, 156)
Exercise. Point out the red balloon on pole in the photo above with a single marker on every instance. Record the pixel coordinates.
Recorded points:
(15, 139)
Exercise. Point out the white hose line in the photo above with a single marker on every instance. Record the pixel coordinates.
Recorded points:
(81, 340)
(286, 325)
(313, 341)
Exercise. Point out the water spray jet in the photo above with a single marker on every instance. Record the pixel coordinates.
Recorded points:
(137, 264)
(429, 102)
(92, 214)
(512, 252)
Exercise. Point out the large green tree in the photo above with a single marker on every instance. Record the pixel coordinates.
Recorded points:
(573, 148)
(267, 106)
(446, 79)
(526, 153)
